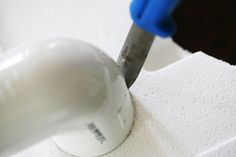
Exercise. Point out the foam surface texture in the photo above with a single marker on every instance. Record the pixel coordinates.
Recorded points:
(185, 109)
(190, 106)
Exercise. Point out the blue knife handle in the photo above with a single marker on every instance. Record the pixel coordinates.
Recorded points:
(154, 16)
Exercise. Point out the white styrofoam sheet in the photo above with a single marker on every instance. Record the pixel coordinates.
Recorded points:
(182, 110)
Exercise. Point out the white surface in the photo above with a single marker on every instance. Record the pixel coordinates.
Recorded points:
(178, 110)
(224, 149)
(104, 23)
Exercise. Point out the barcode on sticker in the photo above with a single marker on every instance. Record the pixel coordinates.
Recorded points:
(97, 133)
